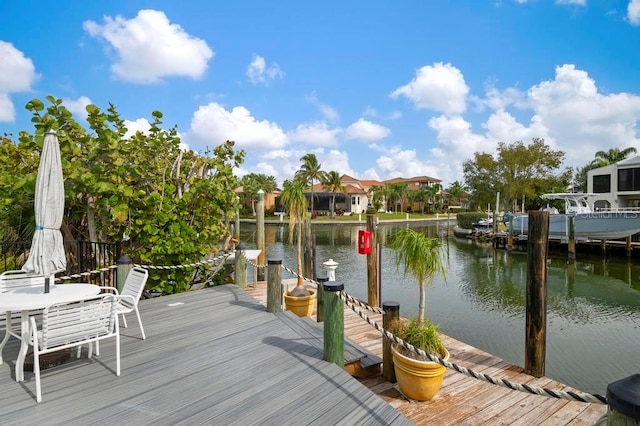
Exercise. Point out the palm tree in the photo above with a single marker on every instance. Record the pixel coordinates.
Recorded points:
(332, 183)
(310, 172)
(398, 193)
(295, 202)
(604, 158)
(421, 256)
(381, 196)
(253, 182)
(456, 192)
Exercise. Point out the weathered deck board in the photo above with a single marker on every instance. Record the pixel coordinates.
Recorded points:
(217, 357)
(464, 400)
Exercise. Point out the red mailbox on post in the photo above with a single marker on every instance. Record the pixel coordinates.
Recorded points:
(364, 241)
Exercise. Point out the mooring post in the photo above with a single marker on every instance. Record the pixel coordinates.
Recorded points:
(391, 314)
(372, 268)
(333, 323)
(510, 237)
(572, 238)
(260, 236)
(623, 397)
(125, 264)
(603, 247)
(274, 286)
(628, 247)
(236, 231)
(240, 274)
(320, 299)
(536, 311)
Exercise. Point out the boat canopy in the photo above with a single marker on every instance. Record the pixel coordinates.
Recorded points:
(574, 202)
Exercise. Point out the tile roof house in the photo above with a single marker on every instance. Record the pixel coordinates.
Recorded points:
(359, 192)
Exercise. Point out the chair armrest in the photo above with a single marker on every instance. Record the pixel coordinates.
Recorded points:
(128, 297)
(110, 288)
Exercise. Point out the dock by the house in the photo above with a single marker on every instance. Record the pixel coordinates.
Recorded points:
(215, 356)
(463, 400)
(212, 356)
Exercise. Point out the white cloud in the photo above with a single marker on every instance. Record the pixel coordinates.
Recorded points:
(17, 74)
(327, 111)
(141, 125)
(395, 115)
(439, 87)
(404, 162)
(503, 127)
(568, 112)
(77, 106)
(7, 110)
(259, 72)
(317, 133)
(456, 136)
(365, 130)
(497, 99)
(633, 12)
(213, 124)
(575, 2)
(149, 47)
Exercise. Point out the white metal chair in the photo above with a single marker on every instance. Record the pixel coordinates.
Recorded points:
(9, 281)
(66, 325)
(130, 295)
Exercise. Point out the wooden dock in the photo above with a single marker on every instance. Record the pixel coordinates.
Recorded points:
(212, 356)
(464, 400)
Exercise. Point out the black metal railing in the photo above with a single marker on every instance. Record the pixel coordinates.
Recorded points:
(81, 255)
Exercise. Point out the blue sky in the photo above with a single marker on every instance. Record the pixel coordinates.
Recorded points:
(376, 89)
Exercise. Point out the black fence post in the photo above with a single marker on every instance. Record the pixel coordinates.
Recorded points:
(124, 266)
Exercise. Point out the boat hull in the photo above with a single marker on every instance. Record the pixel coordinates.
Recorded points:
(588, 226)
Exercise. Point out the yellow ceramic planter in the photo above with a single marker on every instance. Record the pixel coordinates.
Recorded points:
(418, 380)
(301, 306)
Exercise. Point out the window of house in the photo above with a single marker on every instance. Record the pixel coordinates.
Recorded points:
(629, 179)
(602, 183)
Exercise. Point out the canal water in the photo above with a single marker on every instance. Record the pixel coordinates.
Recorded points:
(593, 318)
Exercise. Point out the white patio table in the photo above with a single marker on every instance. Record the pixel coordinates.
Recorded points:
(28, 299)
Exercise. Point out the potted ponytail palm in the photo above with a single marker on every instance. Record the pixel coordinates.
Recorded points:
(418, 378)
(299, 300)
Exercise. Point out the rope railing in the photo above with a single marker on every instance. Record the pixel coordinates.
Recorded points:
(354, 303)
(187, 265)
(85, 274)
(216, 261)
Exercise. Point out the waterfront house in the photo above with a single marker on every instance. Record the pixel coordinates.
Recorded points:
(617, 186)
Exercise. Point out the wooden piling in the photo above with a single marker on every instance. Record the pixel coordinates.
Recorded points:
(274, 286)
(536, 310)
(240, 273)
(260, 242)
(628, 246)
(372, 267)
(333, 323)
(391, 313)
(320, 299)
(571, 245)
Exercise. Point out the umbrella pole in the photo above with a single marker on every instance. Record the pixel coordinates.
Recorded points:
(46, 284)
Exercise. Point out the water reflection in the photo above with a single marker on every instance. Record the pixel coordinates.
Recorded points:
(593, 305)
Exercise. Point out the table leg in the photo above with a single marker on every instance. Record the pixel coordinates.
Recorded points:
(24, 345)
(6, 333)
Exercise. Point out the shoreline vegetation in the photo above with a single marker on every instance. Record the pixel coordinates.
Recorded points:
(353, 219)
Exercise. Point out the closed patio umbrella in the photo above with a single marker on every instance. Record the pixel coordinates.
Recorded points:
(47, 256)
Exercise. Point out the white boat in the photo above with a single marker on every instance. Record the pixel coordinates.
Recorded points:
(483, 225)
(589, 225)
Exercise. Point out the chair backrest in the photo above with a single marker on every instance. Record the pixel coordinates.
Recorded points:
(134, 284)
(11, 280)
(68, 323)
